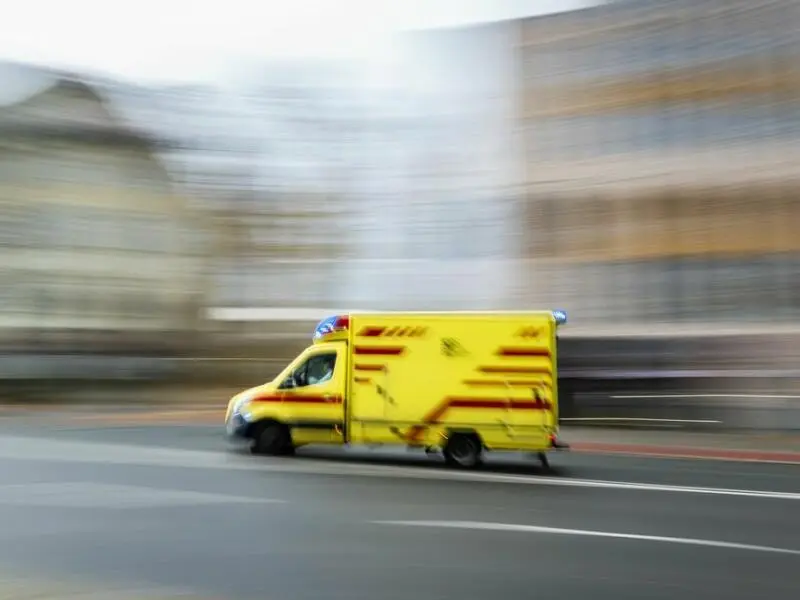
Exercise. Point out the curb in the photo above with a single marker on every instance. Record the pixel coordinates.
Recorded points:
(725, 454)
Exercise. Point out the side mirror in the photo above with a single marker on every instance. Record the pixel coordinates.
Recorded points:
(288, 383)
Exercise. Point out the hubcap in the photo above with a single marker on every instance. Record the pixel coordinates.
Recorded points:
(464, 451)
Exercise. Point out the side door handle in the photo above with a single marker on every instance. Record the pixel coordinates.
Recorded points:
(328, 397)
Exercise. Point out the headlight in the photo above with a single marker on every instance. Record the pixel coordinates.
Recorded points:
(237, 405)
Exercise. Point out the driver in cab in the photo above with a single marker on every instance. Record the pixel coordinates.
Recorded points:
(321, 370)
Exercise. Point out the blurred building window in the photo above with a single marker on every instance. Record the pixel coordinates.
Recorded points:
(108, 229)
(38, 228)
(680, 126)
(9, 291)
(12, 223)
(136, 234)
(17, 167)
(43, 300)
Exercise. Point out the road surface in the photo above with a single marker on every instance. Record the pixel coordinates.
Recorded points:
(161, 510)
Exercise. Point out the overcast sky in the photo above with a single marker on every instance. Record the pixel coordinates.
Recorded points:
(197, 40)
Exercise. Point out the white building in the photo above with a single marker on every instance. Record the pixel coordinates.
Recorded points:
(94, 241)
(440, 174)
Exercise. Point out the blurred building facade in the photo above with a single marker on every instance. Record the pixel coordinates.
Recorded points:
(287, 225)
(437, 180)
(660, 138)
(94, 242)
(632, 163)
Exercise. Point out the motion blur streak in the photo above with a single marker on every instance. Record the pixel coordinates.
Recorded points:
(631, 162)
(581, 532)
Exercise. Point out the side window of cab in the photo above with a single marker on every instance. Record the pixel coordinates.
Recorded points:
(317, 369)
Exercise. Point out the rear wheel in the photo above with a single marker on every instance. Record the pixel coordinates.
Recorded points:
(271, 438)
(463, 450)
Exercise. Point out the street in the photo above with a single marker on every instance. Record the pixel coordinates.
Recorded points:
(176, 508)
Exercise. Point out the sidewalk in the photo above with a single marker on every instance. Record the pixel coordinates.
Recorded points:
(676, 443)
(741, 446)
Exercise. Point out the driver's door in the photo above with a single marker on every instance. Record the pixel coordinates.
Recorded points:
(313, 405)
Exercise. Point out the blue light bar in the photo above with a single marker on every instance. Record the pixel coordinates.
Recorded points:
(324, 327)
(560, 316)
(331, 324)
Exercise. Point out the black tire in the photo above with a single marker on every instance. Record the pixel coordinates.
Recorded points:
(464, 451)
(271, 438)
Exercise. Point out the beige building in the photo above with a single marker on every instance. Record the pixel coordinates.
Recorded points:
(94, 242)
(660, 144)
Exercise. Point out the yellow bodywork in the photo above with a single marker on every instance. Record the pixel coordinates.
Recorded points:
(414, 378)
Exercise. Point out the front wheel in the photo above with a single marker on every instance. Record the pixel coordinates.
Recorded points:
(463, 450)
(271, 438)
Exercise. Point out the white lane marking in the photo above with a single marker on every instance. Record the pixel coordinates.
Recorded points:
(677, 396)
(478, 525)
(642, 419)
(38, 449)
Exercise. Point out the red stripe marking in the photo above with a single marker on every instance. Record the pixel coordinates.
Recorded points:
(370, 331)
(299, 399)
(529, 332)
(379, 350)
(362, 367)
(435, 415)
(432, 417)
(514, 370)
(502, 383)
(545, 352)
(467, 402)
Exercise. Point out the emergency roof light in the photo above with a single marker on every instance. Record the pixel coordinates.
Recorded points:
(331, 325)
(560, 316)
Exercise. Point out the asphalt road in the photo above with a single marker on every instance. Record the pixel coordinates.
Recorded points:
(177, 508)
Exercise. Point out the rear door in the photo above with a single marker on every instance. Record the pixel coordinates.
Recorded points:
(518, 372)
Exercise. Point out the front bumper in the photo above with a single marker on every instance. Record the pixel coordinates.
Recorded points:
(236, 427)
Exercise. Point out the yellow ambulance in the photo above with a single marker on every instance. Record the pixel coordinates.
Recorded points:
(457, 383)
